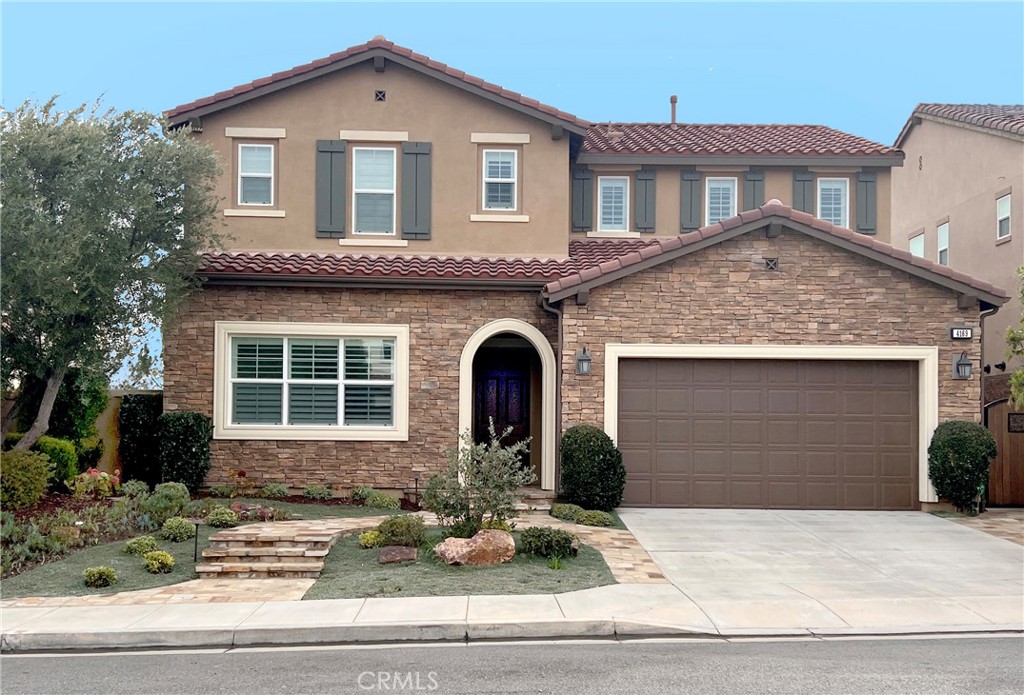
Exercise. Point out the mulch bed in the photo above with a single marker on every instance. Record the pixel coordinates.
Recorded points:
(54, 502)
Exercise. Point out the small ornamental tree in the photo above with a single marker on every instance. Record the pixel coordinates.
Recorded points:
(592, 472)
(958, 461)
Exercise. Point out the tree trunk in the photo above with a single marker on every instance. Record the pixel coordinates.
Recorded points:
(27, 394)
(42, 421)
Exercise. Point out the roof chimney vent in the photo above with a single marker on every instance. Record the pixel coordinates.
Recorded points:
(673, 100)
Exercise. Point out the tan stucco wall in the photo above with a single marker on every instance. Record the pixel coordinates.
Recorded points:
(956, 173)
(430, 111)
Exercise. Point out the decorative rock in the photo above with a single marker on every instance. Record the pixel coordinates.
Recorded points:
(390, 554)
(488, 547)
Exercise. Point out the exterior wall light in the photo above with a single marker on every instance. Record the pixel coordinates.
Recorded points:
(962, 366)
(583, 361)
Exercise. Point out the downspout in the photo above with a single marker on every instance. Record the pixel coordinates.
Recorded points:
(542, 301)
(981, 367)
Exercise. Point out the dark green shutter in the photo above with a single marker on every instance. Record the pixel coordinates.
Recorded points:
(753, 189)
(689, 200)
(803, 191)
(416, 187)
(867, 202)
(645, 209)
(582, 199)
(330, 188)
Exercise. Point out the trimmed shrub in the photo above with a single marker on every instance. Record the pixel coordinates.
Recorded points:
(370, 539)
(139, 444)
(178, 529)
(566, 512)
(224, 491)
(382, 500)
(497, 525)
(317, 491)
(273, 491)
(593, 517)
(62, 455)
(222, 517)
(134, 489)
(958, 459)
(159, 562)
(592, 472)
(167, 500)
(185, 447)
(23, 478)
(407, 530)
(140, 546)
(98, 577)
(362, 492)
(545, 541)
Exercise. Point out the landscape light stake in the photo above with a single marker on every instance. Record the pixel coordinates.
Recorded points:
(195, 549)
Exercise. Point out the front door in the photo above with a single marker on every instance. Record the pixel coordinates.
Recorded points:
(502, 393)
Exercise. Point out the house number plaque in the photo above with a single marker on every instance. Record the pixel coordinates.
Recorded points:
(961, 333)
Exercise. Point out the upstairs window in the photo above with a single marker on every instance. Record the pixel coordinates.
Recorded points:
(256, 175)
(613, 203)
(833, 201)
(500, 178)
(721, 199)
(943, 233)
(1003, 217)
(917, 246)
(373, 190)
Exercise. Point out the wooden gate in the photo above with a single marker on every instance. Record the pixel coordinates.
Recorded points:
(1006, 476)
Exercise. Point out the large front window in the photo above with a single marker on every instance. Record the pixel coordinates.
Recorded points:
(374, 190)
(721, 199)
(832, 201)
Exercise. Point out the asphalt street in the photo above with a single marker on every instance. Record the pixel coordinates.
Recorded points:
(988, 665)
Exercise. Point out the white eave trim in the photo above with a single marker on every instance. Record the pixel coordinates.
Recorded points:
(267, 133)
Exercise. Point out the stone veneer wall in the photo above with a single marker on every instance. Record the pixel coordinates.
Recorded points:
(821, 294)
(440, 323)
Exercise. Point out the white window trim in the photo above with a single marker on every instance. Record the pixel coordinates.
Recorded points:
(707, 197)
(270, 176)
(625, 210)
(845, 222)
(911, 240)
(393, 192)
(1008, 217)
(223, 428)
(940, 248)
(514, 181)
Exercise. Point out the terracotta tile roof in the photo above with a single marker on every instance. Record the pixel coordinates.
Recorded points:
(725, 139)
(771, 209)
(378, 42)
(1008, 118)
(583, 254)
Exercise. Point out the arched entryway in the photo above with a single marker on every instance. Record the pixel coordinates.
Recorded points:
(508, 367)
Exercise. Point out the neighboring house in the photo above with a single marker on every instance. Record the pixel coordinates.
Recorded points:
(416, 251)
(958, 202)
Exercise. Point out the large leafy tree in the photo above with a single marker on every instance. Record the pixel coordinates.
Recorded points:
(104, 215)
(1015, 339)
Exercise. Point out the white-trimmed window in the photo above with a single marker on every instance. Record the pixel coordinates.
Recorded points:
(311, 381)
(501, 171)
(1003, 217)
(942, 231)
(834, 201)
(373, 190)
(256, 175)
(613, 203)
(720, 195)
(916, 246)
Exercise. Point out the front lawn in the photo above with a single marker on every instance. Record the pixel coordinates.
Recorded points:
(352, 572)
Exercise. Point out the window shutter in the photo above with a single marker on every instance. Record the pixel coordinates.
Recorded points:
(582, 199)
(753, 190)
(330, 188)
(416, 190)
(645, 209)
(803, 191)
(689, 200)
(257, 404)
(867, 203)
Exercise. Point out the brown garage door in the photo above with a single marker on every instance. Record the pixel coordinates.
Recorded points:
(785, 434)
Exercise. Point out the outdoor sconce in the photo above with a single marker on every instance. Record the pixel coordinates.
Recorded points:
(962, 366)
(583, 361)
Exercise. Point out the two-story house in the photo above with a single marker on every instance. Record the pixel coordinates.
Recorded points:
(954, 204)
(416, 252)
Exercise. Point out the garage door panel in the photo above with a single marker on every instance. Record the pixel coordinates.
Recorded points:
(825, 403)
(746, 372)
(633, 430)
(822, 432)
(783, 372)
(858, 402)
(673, 401)
(671, 463)
(671, 371)
(857, 433)
(896, 433)
(783, 402)
(824, 463)
(669, 431)
(895, 403)
(784, 463)
(859, 496)
(711, 371)
(747, 493)
(709, 493)
(638, 462)
(746, 401)
(821, 494)
(711, 462)
(708, 431)
(859, 464)
(638, 493)
(784, 495)
(674, 493)
(747, 463)
(710, 401)
(746, 431)
(784, 432)
(636, 400)
(821, 373)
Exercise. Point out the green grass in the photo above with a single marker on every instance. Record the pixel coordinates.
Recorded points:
(352, 572)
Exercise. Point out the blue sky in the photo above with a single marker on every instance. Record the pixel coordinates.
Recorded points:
(859, 67)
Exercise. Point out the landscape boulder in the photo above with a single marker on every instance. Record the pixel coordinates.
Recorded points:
(390, 554)
(488, 547)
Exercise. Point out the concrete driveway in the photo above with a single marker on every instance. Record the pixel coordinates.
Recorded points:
(761, 569)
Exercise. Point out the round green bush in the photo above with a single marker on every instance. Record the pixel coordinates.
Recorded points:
(64, 457)
(140, 546)
(593, 476)
(381, 500)
(178, 529)
(222, 517)
(98, 577)
(317, 491)
(496, 525)
(566, 512)
(370, 539)
(159, 562)
(958, 459)
(24, 476)
(545, 541)
(167, 500)
(593, 517)
(134, 489)
(273, 491)
(407, 530)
